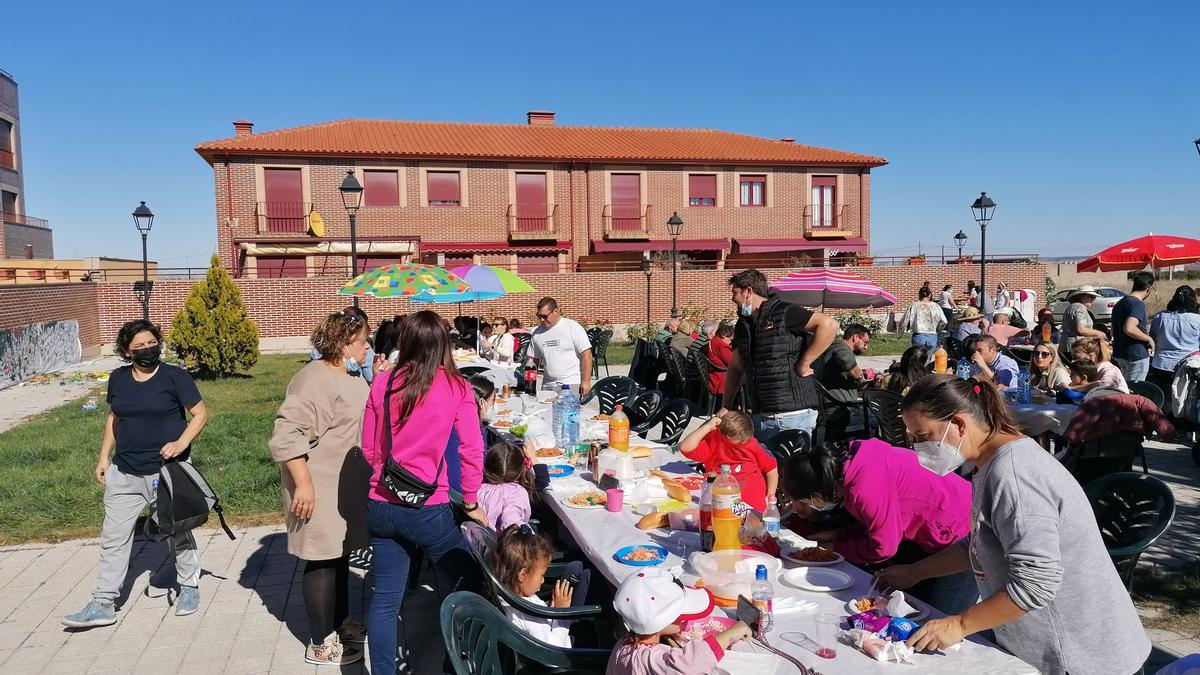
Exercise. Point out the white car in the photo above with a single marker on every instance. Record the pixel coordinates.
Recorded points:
(1101, 308)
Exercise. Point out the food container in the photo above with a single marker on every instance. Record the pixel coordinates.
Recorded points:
(730, 573)
(618, 462)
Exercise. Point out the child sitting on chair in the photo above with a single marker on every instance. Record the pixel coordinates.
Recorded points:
(520, 560)
(729, 439)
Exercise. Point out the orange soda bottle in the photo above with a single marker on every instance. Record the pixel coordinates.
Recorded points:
(618, 430)
(726, 493)
(940, 358)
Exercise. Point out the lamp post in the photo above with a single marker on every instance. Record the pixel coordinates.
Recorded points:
(143, 218)
(648, 271)
(1197, 142)
(982, 209)
(674, 228)
(960, 240)
(352, 192)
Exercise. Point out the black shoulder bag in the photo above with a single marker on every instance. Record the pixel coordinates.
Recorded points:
(405, 486)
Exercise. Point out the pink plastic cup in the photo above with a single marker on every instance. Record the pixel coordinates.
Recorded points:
(616, 499)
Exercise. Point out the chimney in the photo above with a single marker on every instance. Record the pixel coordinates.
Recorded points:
(243, 128)
(540, 118)
(788, 139)
(29, 251)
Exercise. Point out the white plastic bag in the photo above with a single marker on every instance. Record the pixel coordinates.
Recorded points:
(538, 434)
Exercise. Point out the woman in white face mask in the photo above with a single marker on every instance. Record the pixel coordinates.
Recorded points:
(1050, 591)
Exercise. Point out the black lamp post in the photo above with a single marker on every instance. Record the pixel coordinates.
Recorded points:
(352, 192)
(648, 271)
(143, 218)
(960, 240)
(1197, 142)
(674, 228)
(982, 209)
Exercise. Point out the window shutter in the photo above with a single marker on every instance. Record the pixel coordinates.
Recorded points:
(381, 188)
(443, 187)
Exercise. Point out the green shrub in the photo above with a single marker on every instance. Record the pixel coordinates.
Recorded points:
(211, 333)
(871, 324)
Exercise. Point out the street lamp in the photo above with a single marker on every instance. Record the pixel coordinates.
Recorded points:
(648, 271)
(674, 228)
(982, 209)
(960, 240)
(143, 218)
(352, 192)
(1197, 142)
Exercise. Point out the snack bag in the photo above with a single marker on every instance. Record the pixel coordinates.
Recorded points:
(876, 647)
(898, 629)
(871, 620)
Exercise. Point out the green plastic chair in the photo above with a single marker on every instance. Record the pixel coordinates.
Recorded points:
(1133, 510)
(482, 641)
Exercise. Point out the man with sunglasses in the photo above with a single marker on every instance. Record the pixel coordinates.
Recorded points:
(563, 347)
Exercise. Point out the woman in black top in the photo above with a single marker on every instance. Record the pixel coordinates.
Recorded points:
(147, 424)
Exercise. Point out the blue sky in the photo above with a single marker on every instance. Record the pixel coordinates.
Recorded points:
(1077, 118)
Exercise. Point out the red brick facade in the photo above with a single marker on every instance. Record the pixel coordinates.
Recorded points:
(25, 305)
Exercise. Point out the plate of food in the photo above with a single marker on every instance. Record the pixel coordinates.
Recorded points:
(691, 482)
(544, 455)
(560, 470)
(547, 401)
(588, 499)
(502, 424)
(813, 556)
(819, 579)
(641, 555)
(600, 418)
(879, 603)
(701, 629)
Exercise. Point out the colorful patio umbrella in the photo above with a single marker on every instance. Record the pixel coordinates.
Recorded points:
(1154, 250)
(493, 279)
(831, 288)
(404, 281)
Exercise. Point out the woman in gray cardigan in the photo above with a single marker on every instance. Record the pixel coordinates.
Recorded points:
(1051, 593)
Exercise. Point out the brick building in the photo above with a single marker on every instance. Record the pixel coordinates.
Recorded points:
(537, 197)
(21, 235)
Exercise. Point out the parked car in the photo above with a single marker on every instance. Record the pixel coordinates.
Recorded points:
(1101, 309)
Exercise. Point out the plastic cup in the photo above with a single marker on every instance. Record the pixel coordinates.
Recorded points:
(826, 634)
(616, 499)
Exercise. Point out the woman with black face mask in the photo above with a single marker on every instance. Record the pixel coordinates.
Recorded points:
(147, 424)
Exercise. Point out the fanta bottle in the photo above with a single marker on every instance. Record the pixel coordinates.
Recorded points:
(618, 430)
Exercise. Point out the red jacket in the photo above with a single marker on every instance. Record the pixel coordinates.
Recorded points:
(1104, 415)
(719, 355)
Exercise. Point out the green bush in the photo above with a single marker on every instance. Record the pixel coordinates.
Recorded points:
(211, 333)
(871, 324)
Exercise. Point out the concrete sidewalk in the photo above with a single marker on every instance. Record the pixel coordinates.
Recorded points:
(22, 401)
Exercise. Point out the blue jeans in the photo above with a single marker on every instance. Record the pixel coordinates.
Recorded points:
(1134, 371)
(397, 533)
(925, 340)
(951, 594)
(766, 426)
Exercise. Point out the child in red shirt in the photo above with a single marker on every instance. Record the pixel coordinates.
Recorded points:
(734, 444)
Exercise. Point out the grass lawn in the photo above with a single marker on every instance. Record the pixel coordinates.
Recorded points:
(47, 491)
(1169, 598)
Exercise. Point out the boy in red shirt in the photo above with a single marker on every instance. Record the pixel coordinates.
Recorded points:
(734, 444)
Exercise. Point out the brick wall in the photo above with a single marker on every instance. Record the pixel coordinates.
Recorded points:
(24, 305)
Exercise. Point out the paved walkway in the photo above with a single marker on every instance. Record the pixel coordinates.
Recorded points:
(22, 401)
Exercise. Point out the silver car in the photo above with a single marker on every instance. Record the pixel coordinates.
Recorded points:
(1101, 308)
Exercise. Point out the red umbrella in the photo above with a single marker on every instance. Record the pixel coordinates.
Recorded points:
(1155, 250)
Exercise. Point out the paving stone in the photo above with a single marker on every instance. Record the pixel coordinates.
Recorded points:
(70, 666)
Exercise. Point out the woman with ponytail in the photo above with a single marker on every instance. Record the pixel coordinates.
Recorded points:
(901, 512)
(1050, 591)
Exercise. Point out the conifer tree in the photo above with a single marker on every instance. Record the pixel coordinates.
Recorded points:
(212, 333)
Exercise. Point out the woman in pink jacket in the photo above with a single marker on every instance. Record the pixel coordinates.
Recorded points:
(411, 412)
(898, 510)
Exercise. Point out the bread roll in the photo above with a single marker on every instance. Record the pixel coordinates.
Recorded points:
(641, 451)
(675, 489)
(654, 521)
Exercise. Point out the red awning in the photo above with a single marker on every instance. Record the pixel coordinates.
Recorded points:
(599, 246)
(447, 246)
(852, 244)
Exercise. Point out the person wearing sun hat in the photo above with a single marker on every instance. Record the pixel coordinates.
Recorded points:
(653, 604)
(1077, 321)
(969, 324)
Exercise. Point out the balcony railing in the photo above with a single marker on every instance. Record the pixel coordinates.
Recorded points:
(626, 221)
(22, 219)
(829, 221)
(283, 216)
(7, 159)
(532, 221)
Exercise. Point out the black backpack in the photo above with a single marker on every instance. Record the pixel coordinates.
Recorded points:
(183, 502)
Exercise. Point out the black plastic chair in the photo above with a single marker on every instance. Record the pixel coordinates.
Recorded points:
(700, 365)
(481, 641)
(1021, 356)
(954, 347)
(1133, 510)
(1150, 391)
(472, 371)
(675, 417)
(835, 417)
(884, 405)
(521, 351)
(676, 383)
(643, 411)
(611, 391)
(789, 442)
(600, 337)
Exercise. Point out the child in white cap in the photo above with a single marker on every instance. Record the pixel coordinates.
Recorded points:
(654, 604)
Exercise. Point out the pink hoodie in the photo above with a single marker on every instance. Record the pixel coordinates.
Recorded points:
(421, 442)
(894, 498)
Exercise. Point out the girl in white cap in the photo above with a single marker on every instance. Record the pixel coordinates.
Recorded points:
(654, 604)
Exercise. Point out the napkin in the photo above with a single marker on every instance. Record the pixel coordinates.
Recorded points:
(570, 485)
(646, 490)
(792, 604)
(898, 606)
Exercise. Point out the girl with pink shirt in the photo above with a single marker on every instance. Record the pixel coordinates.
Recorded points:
(423, 398)
(507, 490)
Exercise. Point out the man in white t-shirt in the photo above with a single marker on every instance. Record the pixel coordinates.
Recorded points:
(563, 347)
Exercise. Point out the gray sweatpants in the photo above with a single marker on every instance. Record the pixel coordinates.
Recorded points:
(124, 498)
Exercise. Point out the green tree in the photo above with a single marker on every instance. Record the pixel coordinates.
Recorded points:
(211, 333)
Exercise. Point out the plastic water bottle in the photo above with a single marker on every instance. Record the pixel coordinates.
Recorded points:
(570, 418)
(963, 369)
(762, 594)
(1024, 389)
(771, 517)
(556, 415)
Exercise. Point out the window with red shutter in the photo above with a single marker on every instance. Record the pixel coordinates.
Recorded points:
(282, 267)
(374, 262)
(532, 263)
(442, 188)
(702, 189)
(753, 190)
(381, 188)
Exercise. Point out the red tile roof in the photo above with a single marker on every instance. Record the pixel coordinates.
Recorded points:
(454, 140)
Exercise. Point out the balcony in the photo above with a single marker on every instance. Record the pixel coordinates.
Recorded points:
(7, 159)
(282, 216)
(22, 219)
(623, 221)
(532, 222)
(827, 223)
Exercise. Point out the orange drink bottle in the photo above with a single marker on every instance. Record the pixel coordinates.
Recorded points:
(940, 358)
(618, 430)
(1046, 332)
(726, 493)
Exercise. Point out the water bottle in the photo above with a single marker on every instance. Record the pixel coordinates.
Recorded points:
(556, 418)
(963, 369)
(570, 418)
(1024, 389)
(771, 517)
(762, 594)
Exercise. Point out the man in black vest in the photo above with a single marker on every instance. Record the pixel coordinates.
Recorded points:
(775, 344)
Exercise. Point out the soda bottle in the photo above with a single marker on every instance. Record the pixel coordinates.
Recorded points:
(771, 516)
(618, 430)
(706, 509)
(1046, 332)
(762, 594)
(726, 493)
(939, 360)
(530, 378)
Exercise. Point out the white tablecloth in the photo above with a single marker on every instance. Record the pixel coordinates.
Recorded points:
(1036, 419)
(600, 534)
(499, 373)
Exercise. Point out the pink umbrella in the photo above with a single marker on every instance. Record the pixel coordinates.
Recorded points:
(830, 288)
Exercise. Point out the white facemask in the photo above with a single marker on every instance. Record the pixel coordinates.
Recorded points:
(939, 456)
(487, 414)
(823, 506)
